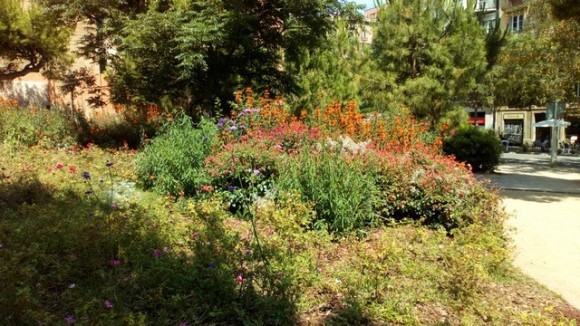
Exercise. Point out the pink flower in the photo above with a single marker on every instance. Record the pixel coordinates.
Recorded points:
(156, 253)
(115, 262)
(59, 165)
(195, 235)
(240, 278)
(108, 304)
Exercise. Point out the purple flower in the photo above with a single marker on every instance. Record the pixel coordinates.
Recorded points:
(256, 172)
(156, 253)
(69, 320)
(221, 122)
(211, 265)
(233, 128)
(86, 175)
(115, 262)
(108, 304)
(109, 164)
(231, 188)
(240, 278)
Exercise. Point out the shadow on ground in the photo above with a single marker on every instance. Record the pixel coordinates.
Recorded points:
(536, 196)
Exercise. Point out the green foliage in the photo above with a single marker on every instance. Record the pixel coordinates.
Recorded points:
(173, 162)
(342, 191)
(147, 260)
(539, 64)
(30, 40)
(31, 126)
(565, 9)
(339, 70)
(242, 173)
(432, 52)
(477, 147)
(206, 50)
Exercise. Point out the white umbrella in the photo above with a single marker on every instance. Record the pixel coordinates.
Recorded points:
(552, 123)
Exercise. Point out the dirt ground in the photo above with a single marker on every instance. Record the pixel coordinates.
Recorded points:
(546, 235)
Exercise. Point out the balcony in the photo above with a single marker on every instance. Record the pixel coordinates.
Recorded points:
(485, 6)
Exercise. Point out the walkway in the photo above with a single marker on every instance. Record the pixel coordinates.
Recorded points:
(545, 206)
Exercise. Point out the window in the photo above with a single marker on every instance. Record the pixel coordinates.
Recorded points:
(517, 22)
(488, 25)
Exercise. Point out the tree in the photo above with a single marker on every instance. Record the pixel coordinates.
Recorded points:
(565, 9)
(335, 71)
(541, 63)
(201, 51)
(105, 19)
(433, 51)
(30, 40)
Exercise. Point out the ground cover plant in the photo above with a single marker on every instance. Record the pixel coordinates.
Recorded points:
(80, 243)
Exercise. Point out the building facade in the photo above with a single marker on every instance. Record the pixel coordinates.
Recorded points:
(34, 89)
(516, 123)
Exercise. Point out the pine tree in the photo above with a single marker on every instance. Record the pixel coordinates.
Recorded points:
(433, 51)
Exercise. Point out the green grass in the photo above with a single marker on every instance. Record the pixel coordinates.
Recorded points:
(69, 255)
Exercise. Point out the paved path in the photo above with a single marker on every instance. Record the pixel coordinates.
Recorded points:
(545, 207)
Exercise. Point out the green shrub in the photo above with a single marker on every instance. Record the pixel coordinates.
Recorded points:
(173, 162)
(481, 148)
(342, 190)
(30, 126)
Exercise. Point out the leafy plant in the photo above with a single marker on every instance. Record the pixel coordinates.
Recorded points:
(477, 147)
(339, 187)
(32, 126)
(173, 162)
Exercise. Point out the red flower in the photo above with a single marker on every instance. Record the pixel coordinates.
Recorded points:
(59, 165)
(72, 169)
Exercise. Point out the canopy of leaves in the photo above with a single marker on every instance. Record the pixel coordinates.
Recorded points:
(432, 50)
(105, 19)
(30, 40)
(541, 63)
(191, 55)
(341, 70)
(565, 9)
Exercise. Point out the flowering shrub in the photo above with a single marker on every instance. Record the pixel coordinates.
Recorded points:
(242, 172)
(33, 126)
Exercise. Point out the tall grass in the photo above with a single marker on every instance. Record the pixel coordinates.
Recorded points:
(173, 162)
(342, 190)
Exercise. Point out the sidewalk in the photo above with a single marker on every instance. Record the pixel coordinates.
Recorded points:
(532, 172)
(544, 204)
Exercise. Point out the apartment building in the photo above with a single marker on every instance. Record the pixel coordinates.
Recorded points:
(516, 123)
